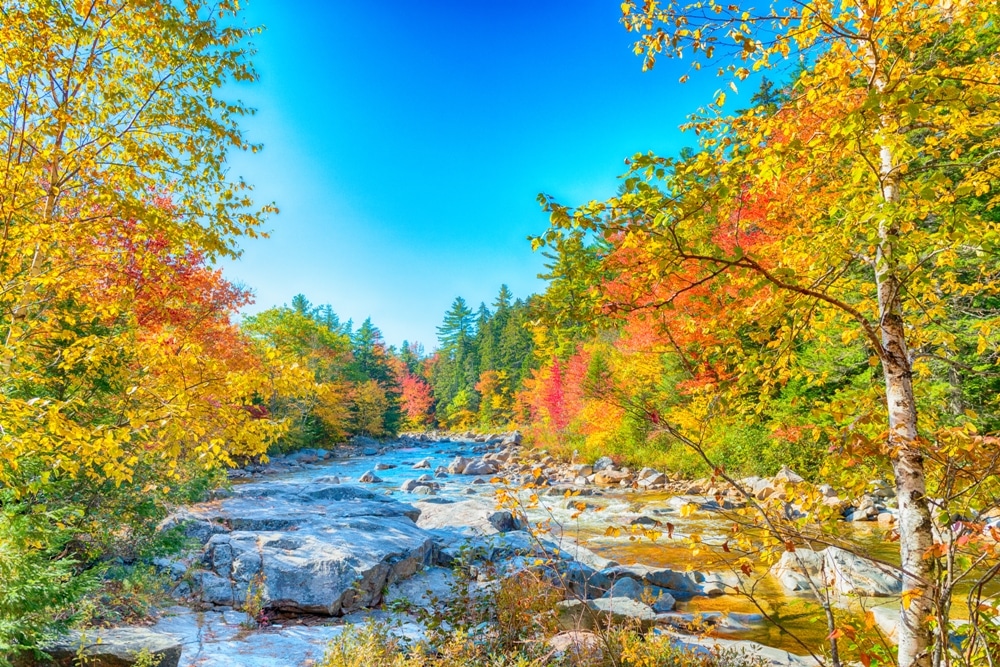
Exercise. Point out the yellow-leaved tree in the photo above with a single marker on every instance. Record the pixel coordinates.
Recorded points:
(121, 375)
(858, 210)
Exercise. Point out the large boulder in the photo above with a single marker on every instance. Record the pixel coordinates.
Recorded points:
(800, 570)
(610, 477)
(627, 587)
(603, 463)
(767, 655)
(481, 467)
(116, 647)
(852, 574)
(602, 612)
(844, 572)
(457, 466)
(788, 476)
(511, 439)
(681, 585)
(478, 516)
(313, 548)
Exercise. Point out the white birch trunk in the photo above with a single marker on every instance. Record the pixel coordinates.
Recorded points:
(916, 534)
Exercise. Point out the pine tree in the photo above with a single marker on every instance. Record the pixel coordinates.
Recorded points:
(301, 305)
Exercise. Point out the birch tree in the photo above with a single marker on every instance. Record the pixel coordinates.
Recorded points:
(863, 205)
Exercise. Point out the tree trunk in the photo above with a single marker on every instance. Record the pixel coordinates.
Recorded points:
(916, 536)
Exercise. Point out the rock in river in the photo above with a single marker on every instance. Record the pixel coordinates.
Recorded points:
(315, 548)
(599, 613)
(845, 572)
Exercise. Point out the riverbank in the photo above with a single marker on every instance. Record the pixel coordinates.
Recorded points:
(312, 543)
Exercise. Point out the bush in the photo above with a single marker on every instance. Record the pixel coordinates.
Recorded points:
(374, 645)
(41, 582)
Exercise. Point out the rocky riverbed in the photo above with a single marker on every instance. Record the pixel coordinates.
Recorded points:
(312, 542)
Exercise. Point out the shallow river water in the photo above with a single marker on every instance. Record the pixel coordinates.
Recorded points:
(798, 614)
(799, 621)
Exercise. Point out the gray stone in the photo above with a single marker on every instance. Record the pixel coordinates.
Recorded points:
(327, 479)
(656, 479)
(788, 475)
(421, 591)
(713, 588)
(602, 612)
(852, 574)
(626, 587)
(370, 478)
(663, 601)
(116, 647)
(644, 521)
(422, 464)
(409, 485)
(480, 467)
(603, 463)
(193, 526)
(511, 439)
(672, 580)
(324, 549)
(478, 517)
(584, 581)
(174, 567)
(800, 570)
(210, 641)
(768, 655)
(457, 466)
(846, 573)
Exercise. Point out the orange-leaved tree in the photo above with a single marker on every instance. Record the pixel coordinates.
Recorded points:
(120, 374)
(858, 211)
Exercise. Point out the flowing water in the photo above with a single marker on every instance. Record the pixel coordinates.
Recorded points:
(794, 622)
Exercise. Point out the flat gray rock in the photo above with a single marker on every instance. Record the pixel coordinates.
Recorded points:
(306, 547)
(479, 516)
(599, 613)
(116, 647)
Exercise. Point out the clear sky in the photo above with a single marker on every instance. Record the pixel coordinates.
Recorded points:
(405, 143)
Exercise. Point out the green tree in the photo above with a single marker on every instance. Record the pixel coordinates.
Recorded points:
(372, 362)
(860, 209)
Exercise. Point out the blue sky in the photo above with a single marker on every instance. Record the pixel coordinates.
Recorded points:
(405, 144)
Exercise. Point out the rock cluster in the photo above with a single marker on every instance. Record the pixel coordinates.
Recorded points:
(303, 547)
(842, 571)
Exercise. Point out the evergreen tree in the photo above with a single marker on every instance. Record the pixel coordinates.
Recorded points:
(301, 305)
(457, 327)
(372, 363)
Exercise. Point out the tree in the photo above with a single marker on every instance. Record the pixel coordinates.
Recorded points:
(318, 410)
(123, 378)
(454, 368)
(861, 208)
(301, 305)
(372, 361)
(416, 397)
(457, 327)
(370, 405)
